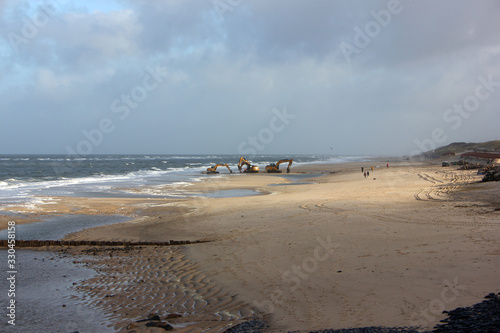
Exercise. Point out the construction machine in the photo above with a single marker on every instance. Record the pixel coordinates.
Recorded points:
(250, 168)
(213, 169)
(276, 167)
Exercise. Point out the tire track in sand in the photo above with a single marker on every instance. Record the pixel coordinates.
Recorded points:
(325, 208)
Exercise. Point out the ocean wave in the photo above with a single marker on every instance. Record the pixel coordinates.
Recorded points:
(45, 175)
(323, 159)
(11, 183)
(194, 157)
(52, 159)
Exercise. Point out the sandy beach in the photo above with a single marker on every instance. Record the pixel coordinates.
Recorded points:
(322, 247)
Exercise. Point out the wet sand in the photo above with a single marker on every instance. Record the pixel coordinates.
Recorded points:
(393, 249)
(46, 300)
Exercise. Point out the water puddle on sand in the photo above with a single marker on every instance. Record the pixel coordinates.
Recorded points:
(231, 193)
(56, 227)
(45, 298)
(287, 184)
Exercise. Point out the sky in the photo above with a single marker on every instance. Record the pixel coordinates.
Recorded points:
(247, 76)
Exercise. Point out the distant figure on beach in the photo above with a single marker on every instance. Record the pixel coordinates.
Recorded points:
(362, 169)
(372, 168)
(365, 174)
(387, 164)
(368, 173)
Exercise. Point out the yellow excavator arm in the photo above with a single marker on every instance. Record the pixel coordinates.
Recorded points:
(250, 168)
(276, 167)
(214, 168)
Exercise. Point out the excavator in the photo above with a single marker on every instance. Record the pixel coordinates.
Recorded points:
(213, 169)
(276, 167)
(250, 168)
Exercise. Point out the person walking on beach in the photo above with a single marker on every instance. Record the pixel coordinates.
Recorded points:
(372, 168)
(362, 169)
(368, 173)
(387, 164)
(365, 174)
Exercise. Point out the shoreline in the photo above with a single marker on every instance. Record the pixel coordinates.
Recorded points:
(109, 204)
(391, 243)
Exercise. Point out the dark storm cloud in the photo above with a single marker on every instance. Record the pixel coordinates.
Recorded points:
(371, 77)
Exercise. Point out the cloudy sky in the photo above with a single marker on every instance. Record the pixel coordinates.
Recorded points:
(247, 76)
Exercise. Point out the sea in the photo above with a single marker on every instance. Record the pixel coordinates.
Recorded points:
(28, 179)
